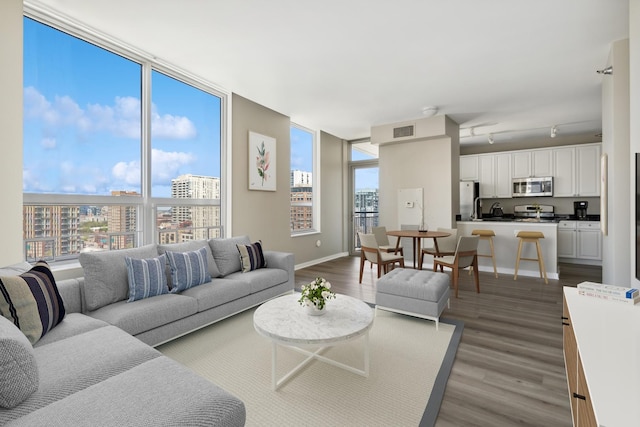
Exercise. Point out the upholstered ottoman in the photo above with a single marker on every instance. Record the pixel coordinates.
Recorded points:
(418, 293)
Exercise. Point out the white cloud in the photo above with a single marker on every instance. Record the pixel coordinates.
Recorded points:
(166, 165)
(121, 119)
(127, 172)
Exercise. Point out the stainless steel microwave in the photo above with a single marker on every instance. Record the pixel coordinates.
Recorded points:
(532, 187)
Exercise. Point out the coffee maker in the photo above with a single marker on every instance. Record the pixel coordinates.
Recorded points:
(580, 209)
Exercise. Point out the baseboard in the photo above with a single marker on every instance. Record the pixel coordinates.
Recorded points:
(321, 260)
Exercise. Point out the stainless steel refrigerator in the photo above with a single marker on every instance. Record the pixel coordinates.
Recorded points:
(469, 197)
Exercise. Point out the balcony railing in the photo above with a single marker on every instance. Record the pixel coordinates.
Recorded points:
(363, 222)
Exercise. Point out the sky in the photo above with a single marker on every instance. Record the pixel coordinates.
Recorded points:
(82, 119)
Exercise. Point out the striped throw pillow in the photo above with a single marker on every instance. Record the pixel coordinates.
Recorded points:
(146, 277)
(251, 256)
(188, 269)
(32, 301)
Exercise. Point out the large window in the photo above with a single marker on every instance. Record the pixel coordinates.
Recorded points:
(118, 150)
(303, 213)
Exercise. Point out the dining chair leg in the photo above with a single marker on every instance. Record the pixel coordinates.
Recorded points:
(455, 275)
(475, 273)
(361, 266)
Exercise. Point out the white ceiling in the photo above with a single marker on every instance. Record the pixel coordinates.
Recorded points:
(510, 68)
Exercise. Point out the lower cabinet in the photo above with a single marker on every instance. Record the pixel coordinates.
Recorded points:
(581, 406)
(580, 239)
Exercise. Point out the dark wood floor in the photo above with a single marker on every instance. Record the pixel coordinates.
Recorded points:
(509, 368)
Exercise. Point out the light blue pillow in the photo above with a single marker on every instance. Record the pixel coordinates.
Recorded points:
(146, 277)
(188, 269)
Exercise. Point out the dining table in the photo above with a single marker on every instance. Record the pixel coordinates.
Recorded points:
(417, 236)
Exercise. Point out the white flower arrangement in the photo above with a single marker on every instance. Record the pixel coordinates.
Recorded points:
(316, 293)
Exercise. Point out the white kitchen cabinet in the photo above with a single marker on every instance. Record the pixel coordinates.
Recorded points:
(534, 163)
(576, 171)
(588, 170)
(567, 240)
(589, 240)
(469, 168)
(494, 173)
(580, 240)
(564, 172)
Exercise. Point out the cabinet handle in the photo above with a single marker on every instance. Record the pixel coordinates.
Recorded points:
(565, 318)
(566, 324)
(579, 396)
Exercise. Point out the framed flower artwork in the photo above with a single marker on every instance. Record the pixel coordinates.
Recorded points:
(262, 162)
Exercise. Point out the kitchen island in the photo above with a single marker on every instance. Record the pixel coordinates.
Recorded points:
(506, 246)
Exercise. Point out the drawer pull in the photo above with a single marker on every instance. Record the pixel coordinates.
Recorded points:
(565, 318)
(566, 324)
(579, 396)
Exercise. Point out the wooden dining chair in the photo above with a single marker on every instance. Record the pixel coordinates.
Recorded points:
(466, 255)
(382, 239)
(369, 251)
(446, 245)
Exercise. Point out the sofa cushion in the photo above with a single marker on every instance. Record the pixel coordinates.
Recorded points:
(225, 253)
(251, 256)
(146, 314)
(188, 269)
(193, 245)
(18, 367)
(72, 324)
(219, 291)
(259, 280)
(146, 277)
(32, 301)
(105, 274)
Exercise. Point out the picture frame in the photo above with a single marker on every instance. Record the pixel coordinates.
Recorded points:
(262, 162)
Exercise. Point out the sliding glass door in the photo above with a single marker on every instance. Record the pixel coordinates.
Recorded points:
(364, 192)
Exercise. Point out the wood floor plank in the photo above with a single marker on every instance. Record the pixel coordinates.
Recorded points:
(509, 369)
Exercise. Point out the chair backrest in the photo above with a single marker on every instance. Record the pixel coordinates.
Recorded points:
(467, 248)
(368, 241)
(448, 244)
(381, 235)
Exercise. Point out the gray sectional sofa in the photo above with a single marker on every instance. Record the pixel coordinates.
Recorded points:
(97, 367)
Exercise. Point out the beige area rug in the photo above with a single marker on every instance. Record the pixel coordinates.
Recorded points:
(405, 357)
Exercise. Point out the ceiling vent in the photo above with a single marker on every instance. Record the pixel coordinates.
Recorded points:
(403, 132)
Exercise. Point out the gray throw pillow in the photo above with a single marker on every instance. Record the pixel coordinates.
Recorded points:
(188, 269)
(105, 274)
(18, 368)
(225, 253)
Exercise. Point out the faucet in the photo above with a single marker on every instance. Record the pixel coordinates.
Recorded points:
(475, 207)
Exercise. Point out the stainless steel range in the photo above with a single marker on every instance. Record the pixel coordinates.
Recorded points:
(529, 213)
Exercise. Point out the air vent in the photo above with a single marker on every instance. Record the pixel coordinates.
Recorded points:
(403, 131)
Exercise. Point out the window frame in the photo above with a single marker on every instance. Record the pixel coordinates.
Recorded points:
(315, 182)
(147, 205)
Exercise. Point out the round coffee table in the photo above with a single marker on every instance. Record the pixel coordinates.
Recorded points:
(286, 323)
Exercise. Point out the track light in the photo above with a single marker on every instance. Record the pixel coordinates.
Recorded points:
(554, 131)
(491, 141)
(606, 71)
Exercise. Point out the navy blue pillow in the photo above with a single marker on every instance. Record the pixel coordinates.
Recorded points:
(188, 269)
(146, 277)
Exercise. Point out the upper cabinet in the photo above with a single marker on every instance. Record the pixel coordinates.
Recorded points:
(534, 163)
(494, 172)
(469, 168)
(576, 171)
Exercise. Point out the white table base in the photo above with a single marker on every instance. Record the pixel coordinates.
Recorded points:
(314, 355)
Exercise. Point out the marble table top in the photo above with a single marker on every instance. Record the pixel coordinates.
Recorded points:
(284, 320)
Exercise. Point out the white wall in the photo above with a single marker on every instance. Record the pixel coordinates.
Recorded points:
(11, 125)
(634, 119)
(615, 143)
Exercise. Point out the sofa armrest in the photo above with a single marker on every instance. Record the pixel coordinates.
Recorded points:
(284, 261)
(71, 293)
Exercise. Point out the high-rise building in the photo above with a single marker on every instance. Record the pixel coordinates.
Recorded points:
(50, 231)
(197, 218)
(122, 222)
(301, 200)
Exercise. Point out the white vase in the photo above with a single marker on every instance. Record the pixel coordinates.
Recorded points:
(312, 310)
